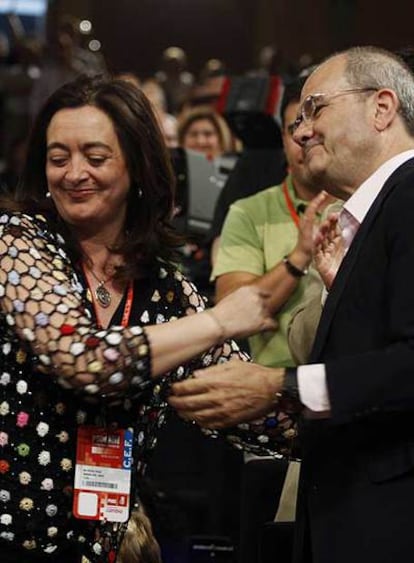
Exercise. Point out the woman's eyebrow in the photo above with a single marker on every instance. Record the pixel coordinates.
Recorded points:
(90, 145)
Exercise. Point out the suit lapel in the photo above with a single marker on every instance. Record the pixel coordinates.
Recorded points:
(348, 262)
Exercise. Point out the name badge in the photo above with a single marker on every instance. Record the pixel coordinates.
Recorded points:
(103, 474)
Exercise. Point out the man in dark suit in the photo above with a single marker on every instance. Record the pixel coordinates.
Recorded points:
(356, 500)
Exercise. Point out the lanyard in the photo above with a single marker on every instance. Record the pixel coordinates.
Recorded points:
(128, 304)
(290, 205)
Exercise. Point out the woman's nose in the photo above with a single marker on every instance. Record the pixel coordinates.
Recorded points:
(76, 170)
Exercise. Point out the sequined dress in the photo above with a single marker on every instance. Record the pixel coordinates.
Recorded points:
(47, 327)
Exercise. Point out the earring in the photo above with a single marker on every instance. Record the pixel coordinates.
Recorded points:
(48, 194)
(140, 193)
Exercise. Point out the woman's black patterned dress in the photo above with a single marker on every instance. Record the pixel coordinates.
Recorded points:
(47, 328)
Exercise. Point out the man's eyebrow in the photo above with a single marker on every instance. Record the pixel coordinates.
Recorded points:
(85, 146)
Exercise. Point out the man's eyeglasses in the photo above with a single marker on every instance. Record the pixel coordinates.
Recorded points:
(315, 102)
(291, 128)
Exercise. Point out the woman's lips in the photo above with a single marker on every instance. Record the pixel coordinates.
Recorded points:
(80, 193)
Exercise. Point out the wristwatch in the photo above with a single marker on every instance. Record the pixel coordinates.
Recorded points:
(288, 398)
(293, 270)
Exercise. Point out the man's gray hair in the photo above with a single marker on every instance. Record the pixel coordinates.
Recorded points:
(373, 67)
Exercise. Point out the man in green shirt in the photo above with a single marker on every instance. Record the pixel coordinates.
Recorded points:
(267, 241)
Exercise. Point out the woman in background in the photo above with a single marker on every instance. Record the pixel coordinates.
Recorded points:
(203, 130)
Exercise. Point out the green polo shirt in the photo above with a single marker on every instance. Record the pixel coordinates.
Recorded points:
(258, 232)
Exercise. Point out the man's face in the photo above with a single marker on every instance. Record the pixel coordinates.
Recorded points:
(340, 132)
(293, 151)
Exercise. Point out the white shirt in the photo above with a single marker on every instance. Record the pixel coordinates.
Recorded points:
(313, 390)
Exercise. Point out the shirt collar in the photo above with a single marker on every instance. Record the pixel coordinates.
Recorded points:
(361, 200)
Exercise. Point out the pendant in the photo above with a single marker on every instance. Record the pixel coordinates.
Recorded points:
(102, 295)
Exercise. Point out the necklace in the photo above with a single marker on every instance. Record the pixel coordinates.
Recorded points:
(102, 293)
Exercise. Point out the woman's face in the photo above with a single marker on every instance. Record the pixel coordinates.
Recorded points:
(86, 171)
(202, 136)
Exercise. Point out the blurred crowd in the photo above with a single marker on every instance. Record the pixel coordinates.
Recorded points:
(31, 69)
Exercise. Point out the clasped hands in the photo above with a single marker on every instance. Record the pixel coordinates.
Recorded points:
(234, 392)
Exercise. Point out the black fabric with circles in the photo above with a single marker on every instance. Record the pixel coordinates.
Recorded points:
(47, 327)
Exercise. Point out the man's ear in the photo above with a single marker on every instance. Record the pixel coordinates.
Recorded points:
(387, 105)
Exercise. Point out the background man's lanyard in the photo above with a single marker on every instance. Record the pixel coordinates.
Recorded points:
(290, 204)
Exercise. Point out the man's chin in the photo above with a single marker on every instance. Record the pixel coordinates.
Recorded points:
(315, 165)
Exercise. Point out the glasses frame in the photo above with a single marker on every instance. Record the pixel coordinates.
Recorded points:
(313, 102)
(291, 128)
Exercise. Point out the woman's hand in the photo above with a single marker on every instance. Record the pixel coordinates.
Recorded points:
(244, 312)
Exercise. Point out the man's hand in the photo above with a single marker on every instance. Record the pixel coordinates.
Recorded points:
(301, 255)
(227, 394)
(329, 249)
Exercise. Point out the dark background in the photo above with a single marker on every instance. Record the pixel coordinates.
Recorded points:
(134, 33)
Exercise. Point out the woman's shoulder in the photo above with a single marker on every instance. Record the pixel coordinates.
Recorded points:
(29, 224)
(18, 218)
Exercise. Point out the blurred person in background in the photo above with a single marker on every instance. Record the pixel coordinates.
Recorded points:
(139, 544)
(203, 130)
(156, 95)
(211, 69)
(261, 164)
(207, 89)
(265, 241)
(271, 61)
(64, 59)
(175, 78)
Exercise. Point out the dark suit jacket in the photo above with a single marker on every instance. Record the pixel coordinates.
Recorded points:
(356, 499)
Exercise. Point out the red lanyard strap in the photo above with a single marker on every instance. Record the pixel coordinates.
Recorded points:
(290, 205)
(128, 305)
